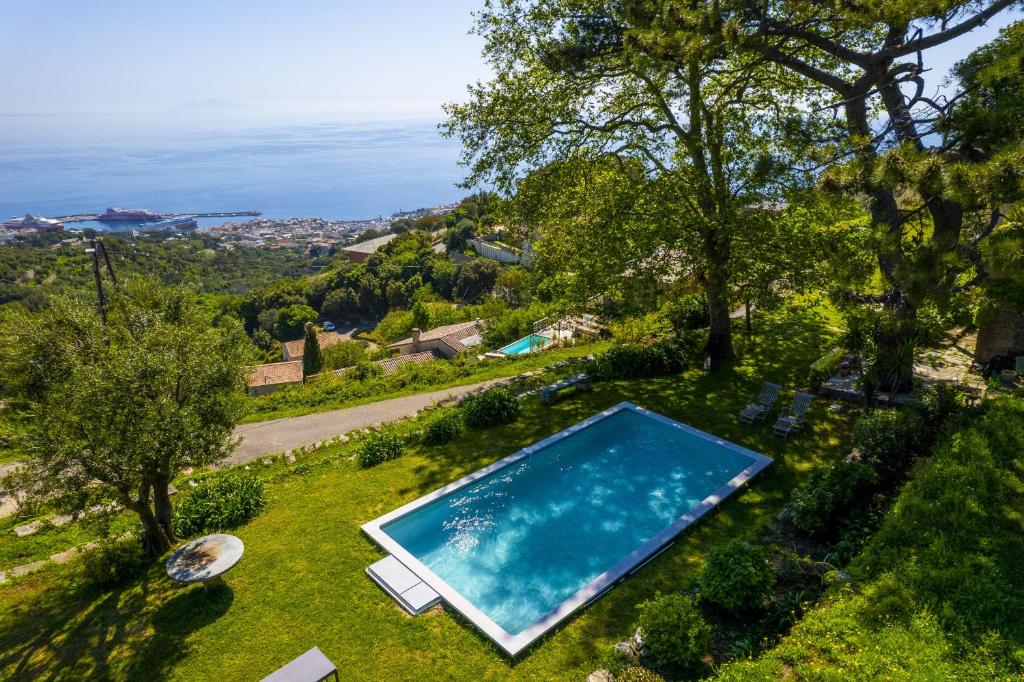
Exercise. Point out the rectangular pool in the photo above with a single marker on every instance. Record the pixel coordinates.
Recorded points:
(527, 344)
(519, 545)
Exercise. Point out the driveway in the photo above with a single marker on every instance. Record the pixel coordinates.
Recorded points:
(278, 435)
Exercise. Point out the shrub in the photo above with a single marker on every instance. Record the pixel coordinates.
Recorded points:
(366, 370)
(736, 576)
(688, 312)
(824, 367)
(443, 430)
(219, 502)
(344, 354)
(885, 440)
(929, 325)
(829, 495)
(936, 405)
(676, 633)
(379, 447)
(491, 408)
(638, 674)
(634, 362)
(114, 562)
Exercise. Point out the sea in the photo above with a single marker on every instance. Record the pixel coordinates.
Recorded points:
(344, 171)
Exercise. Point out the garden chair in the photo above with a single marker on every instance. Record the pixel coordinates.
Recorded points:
(760, 409)
(793, 419)
(311, 666)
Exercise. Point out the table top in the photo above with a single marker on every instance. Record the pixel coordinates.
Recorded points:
(205, 558)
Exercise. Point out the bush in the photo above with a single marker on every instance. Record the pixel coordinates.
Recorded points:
(219, 502)
(676, 633)
(688, 312)
(824, 367)
(829, 495)
(344, 354)
(366, 370)
(635, 362)
(379, 447)
(491, 408)
(114, 562)
(638, 674)
(885, 440)
(929, 325)
(936, 405)
(443, 430)
(737, 577)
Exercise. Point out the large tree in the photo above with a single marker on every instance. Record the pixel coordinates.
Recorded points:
(870, 124)
(115, 410)
(583, 105)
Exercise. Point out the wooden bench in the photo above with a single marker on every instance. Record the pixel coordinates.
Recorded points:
(311, 666)
(581, 382)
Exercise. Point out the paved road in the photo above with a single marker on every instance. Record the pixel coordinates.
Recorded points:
(278, 435)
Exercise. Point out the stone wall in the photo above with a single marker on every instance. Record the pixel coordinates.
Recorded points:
(1000, 334)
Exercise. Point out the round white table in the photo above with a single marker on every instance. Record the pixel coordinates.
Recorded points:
(205, 559)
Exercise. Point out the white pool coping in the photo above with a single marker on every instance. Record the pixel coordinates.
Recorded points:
(512, 644)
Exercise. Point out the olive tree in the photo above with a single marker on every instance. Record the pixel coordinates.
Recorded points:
(115, 411)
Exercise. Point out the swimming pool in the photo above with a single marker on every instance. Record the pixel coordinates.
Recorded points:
(518, 546)
(527, 344)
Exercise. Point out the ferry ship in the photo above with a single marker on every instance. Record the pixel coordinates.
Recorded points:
(34, 222)
(115, 214)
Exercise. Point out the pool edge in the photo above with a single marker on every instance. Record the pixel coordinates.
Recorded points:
(515, 644)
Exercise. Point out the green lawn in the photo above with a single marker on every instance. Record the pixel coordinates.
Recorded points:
(302, 583)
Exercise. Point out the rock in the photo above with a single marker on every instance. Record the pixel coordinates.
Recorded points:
(28, 529)
(26, 568)
(626, 650)
(342, 439)
(637, 640)
(289, 457)
(600, 675)
(267, 461)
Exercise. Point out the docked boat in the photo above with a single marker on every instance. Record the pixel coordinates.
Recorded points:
(34, 222)
(115, 214)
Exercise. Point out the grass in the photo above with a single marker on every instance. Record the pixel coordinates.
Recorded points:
(301, 582)
(316, 397)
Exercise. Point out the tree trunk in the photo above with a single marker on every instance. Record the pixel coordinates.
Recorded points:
(719, 346)
(746, 318)
(164, 512)
(155, 542)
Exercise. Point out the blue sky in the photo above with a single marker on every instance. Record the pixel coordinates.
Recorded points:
(343, 57)
(253, 59)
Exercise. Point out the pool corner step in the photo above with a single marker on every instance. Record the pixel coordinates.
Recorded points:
(414, 595)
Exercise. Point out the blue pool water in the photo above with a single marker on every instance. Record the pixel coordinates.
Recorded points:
(524, 345)
(523, 539)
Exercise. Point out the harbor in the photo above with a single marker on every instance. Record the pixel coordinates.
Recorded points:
(105, 217)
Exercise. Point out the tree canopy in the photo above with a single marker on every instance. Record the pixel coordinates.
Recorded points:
(114, 411)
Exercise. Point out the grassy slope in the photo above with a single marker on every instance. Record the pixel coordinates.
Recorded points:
(273, 407)
(301, 582)
(938, 593)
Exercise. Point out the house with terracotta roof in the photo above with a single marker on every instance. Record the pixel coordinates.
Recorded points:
(264, 379)
(294, 350)
(447, 341)
(361, 252)
(389, 366)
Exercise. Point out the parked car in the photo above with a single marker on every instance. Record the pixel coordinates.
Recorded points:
(328, 326)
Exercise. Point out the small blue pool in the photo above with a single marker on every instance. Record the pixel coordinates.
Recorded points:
(527, 344)
(518, 546)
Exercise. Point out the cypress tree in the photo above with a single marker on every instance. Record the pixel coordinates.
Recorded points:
(312, 358)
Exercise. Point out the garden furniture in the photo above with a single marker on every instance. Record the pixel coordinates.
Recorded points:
(582, 382)
(760, 409)
(796, 415)
(205, 559)
(311, 666)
